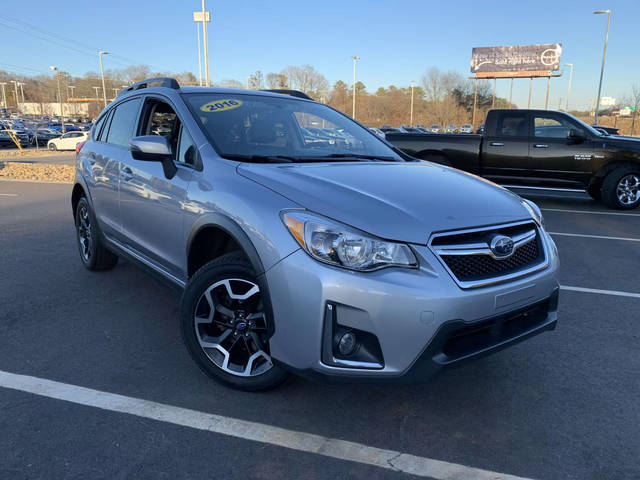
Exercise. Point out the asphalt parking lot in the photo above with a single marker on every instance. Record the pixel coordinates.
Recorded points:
(564, 404)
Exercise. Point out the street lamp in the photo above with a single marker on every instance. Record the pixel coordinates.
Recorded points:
(566, 106)
(4, 96)
(353, 110)
(411, 116)
(604, 56)
(55, 69)
(71, 87)
(104, 90)
(15, 86)
(22, 92)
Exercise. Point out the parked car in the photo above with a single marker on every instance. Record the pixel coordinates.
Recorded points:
(331, 262)
(540, 148)
(377, 131)
(5, 139)
(466, 128)
(480, 129)
(435, 128)
(451, 128)
(20, 135)
(43, 135)
(606, 129)
(409, 129)
(387, 129)
(67, 141)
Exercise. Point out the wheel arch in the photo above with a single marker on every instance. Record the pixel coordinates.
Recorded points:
(214, 235)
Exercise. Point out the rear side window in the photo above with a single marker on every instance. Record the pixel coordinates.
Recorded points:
(512, 125)
(123, 123)
(98, 126)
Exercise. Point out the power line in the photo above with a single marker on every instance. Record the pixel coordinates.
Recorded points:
(23, 68)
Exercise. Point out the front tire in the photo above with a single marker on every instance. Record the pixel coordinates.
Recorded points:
(595, 191)
(52, 147)
(225, 325)
(93, 253)
(621, 188)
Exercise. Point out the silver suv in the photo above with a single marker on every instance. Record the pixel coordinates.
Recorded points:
(294, 253)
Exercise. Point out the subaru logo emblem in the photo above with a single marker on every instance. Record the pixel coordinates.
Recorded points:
(501, 246)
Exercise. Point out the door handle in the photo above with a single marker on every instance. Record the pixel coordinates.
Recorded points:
(497, 144)
(540, 145)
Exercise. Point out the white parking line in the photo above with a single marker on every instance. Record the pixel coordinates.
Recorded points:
(257, 432)
(626, 239)
(601, 292)
(587, 211)
(8, 194)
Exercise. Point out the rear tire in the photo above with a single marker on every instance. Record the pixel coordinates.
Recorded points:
(224, 322)
(52, 147)
(93, 253)
(621, 188)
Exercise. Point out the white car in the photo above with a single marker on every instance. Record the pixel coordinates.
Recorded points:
(68, 141)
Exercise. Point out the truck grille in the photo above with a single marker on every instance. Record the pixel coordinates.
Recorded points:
(467, 255)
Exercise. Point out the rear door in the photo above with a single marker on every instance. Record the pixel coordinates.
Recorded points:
(505, 147)
(555, 158)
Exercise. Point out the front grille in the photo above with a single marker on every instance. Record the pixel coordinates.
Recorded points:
(481, 266)
(469, 258)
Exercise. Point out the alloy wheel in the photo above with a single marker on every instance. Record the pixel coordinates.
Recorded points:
(84, 233)
(628, 190)
(231, 328)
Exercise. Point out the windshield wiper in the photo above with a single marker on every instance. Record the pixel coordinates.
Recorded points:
(260, 158)
(358, 156)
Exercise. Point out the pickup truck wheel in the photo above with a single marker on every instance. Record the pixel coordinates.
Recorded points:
(621, 188)
(93, 253)
(595, 191)
(225, 327)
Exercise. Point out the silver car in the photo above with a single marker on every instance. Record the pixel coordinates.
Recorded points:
(338, 261)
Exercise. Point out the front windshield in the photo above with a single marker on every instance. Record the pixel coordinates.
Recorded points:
(253, 127)
(589, 128)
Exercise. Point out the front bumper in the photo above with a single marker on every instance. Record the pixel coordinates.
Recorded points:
(421, 318)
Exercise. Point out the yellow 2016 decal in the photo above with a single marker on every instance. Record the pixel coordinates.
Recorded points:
(221, 105)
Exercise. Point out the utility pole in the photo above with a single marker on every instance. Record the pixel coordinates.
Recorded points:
(511, 94)
(97, 97)
(115, 92)
(604, 56)
(475, 101)
(411, 116)
(353, 110)
(493, 99)
(199, 53)
(22, 92)
(55, 69)
(206, 45)
(104, 90)
(4, 96)
(566, 106)
(530, 88)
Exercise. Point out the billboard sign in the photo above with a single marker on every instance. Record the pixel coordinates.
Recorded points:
(522, 58)
(607, 102)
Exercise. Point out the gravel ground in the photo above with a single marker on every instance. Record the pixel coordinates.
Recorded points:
(29, 152)
(40, 172)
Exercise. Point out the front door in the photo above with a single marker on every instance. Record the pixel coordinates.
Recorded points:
(150, 203)
(556, 157)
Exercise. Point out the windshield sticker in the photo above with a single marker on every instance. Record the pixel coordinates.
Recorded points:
(221, 105)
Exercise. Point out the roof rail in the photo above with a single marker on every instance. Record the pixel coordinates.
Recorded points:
(163, 81)
(293, 93)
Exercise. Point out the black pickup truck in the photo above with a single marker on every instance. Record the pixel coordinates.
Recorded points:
(539, 148)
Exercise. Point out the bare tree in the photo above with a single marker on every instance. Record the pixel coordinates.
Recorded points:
(255, 81)
(276, 80)
(306, 79)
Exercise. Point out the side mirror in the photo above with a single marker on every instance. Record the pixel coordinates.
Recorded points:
(154, 148)
(576, 136)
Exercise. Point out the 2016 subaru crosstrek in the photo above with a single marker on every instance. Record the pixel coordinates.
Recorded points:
(303, 242)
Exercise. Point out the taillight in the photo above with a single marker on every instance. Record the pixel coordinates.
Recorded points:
(79, 146)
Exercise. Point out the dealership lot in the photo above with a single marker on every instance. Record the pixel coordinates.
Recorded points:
(561, 405)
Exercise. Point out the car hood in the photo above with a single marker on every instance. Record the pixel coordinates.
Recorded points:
(396, 201)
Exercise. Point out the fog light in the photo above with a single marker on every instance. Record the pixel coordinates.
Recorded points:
(347, 343)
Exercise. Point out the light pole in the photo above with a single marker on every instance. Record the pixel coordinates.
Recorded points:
(4, 96)
(104, 90)
(15, 86)
(411, 114)
(22, 92)
(353, 110)
(115, 92)
(71, 87)
(205, 40)
(566, 106)
(55, 69)
(604, 56)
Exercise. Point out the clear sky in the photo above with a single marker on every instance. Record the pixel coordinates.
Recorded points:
(397, 41)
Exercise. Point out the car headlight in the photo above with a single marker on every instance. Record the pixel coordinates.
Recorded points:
(337, 244)
(534, 210)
